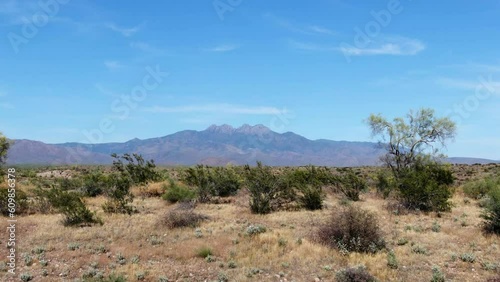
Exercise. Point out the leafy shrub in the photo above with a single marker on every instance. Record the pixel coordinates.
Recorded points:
(94, 183)
(385, 183)
(71, 205)
(268, 191)
(176, 192)
(491, 213)
(392, 261)
(21, 201)
(426, 187)
(119, 195)
(308, 182)
(177, 218)
(350, 184)
(437, 275)
(480, 188)
(139, 170)
(352, 230)
(212, 181)
(255, 229)
(204, 252)
(354, 274)
(312, 198)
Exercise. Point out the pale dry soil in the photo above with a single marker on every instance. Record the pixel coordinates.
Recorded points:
(286, 252)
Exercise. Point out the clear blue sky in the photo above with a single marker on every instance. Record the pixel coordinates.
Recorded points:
(76, 69)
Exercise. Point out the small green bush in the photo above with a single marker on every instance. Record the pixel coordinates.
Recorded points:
(351, 185)
(426, 187)
(352, 230)
(176, 192)
(480, 188)
(392, 261)
(354, 274)
(491, 212)
(437, 275)
(21, 202)
(204, 252)
(71, 205)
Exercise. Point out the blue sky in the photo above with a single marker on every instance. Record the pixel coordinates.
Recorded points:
(103, 71)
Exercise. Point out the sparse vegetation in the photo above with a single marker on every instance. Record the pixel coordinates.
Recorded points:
(352, 230)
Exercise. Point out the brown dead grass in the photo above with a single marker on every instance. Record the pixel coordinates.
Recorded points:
(286, 252)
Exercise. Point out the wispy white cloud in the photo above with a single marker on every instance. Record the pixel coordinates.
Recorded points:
(320, 29)
(113, 65)
(298, 28)
(219, 108)
(223, 48)
(127, 32)
(148, 48)
(398, 46)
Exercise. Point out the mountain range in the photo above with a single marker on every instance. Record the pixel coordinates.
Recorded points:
(216, 145)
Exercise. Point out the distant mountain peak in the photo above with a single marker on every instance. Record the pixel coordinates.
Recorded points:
(256, 129)
(225, 128)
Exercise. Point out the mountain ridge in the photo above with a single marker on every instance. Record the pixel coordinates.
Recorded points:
(216, 145)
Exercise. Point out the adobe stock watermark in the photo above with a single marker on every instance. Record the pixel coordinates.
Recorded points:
(223, 6)
(121, 109)
(483, 91)
(31, 26)
(372, 29)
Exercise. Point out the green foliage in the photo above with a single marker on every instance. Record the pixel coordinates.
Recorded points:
(4, 147)
(480, 188)
(426, 187)
(139, 170)
(177, 192)
(410, 144)
(212, 181)
(351, 185)
(21, 201)
(264, 188)
(119, 196)
(392, 261)
(94, 183)
(352, 230)
(491, 213)
(437, 275)
(385, 183)
(255, 229)
(308, 184)
(354, 274)
(408, 140)
(71, 205)
(204, 252)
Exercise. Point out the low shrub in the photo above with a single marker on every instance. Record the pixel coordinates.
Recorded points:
(71, 205)
(178, 218)
(177, 192)
(354, 274)
(351, 185)
(204, 252)
(426, 187)
(352, 230)
(20, 204)
(491, 212)
(480, 188)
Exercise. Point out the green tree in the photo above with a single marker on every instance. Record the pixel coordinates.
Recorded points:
(413, 152)
(4, 147)
(407, 141)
